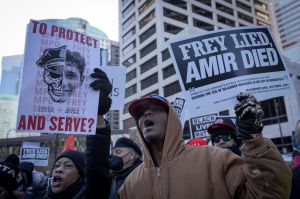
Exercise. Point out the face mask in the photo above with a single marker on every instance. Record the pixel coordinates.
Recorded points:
(116, 163)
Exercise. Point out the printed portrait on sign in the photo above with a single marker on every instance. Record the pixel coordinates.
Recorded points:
(63, 72)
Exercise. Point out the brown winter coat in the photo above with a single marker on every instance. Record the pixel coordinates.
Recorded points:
(189, 172)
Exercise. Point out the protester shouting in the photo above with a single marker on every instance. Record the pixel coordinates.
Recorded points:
(79, 175)
(223, 134)
(172, 170)
(126, 156)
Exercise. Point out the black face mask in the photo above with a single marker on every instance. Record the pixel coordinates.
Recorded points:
(116, 163)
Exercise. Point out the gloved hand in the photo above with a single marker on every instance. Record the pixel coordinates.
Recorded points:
(103, 84)
(249, 116)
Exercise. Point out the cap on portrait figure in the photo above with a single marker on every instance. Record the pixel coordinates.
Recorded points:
(53, 59)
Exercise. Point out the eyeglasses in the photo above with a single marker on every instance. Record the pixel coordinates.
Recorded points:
(217, 139)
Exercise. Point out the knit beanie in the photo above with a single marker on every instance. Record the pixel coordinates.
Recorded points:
(9, 170)
(126, 142)
(77, 157)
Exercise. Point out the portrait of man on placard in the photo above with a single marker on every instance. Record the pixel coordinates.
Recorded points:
(63, 72)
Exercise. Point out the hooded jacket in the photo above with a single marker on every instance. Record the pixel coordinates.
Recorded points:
(207, 171)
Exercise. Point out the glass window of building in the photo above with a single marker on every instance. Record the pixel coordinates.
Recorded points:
(128, 22)
(206, 2)
(129, 123)
(172, 89)
(260, 14)
(168, 71)
(202, 12)
(131, 75)
(130, 90)
(148, 64)
(226, 21)
(131, 60)
(172, 29)
(148, 49)
(128, 35)
(245, 17)
(175, 15)
(178, 3)
(165, 54)
(155, 92)
(149, 81)
(243, 6)
(203, 25)
(147, 19)
(228, 1)
(125, 110)
(145, 6)
(128, 48)
(224, 113)
(147, 33)
(127, 10)
(124, 2)
(261, 4)
(274, 111)
(261, 23)
(224, 8)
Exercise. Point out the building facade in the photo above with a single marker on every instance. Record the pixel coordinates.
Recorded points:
(9, 94)
(146, 26)
(287, 15)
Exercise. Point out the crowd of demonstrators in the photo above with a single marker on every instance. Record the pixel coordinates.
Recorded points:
(223, 134)
(172, 170)
(203, 172)
(126, 156)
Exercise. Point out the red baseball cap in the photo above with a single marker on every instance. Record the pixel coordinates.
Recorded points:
(140, 104)
(222, 122)
(197, 142)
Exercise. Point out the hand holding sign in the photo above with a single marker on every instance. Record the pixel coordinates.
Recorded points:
(103, 84)
(249, 116)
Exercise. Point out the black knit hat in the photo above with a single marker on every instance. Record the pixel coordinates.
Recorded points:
(9, 170)
(77, 157)
(126, 142)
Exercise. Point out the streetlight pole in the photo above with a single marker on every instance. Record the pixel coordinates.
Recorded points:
(279, 123)
(7, 146)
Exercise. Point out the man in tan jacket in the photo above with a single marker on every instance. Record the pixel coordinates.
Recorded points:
(175, 171)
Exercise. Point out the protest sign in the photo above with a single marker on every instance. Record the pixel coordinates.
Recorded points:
(216, 66)
(116, 76)
(55, 95)
(180, 107)
(198, 125)
(38, 156)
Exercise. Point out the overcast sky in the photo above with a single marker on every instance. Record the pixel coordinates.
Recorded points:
(16, 14)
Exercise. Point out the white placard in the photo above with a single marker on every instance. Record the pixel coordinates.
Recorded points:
(55, 95)
(214, 67)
